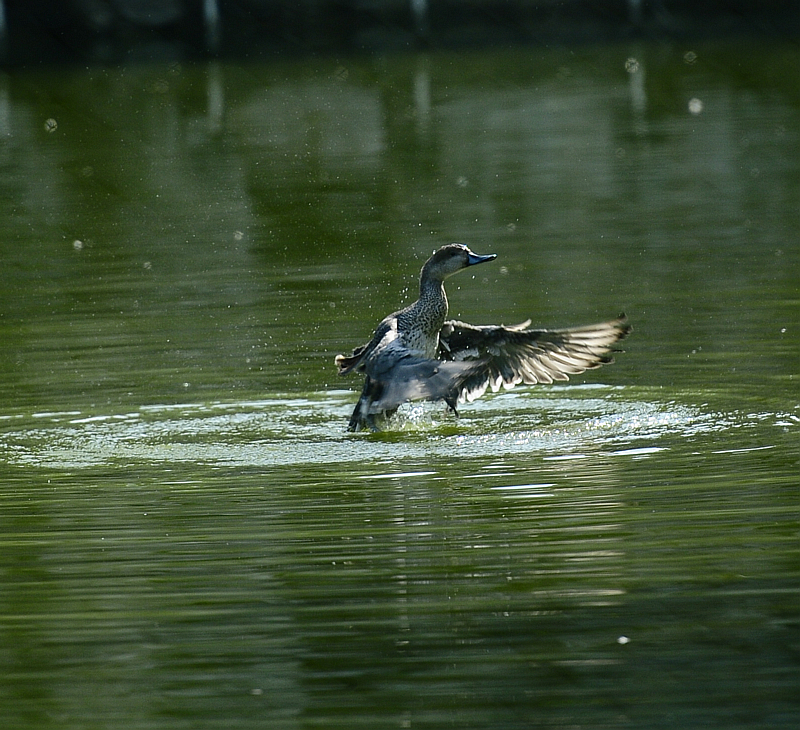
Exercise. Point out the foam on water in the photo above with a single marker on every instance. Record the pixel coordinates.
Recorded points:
(563, 424)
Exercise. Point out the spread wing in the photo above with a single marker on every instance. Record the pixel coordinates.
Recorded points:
(397, 375)
(414, 378)
(507, 356)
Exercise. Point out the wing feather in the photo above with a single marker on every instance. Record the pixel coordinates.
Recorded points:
(508, 356)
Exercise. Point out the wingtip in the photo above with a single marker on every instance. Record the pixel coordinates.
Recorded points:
(623, 323)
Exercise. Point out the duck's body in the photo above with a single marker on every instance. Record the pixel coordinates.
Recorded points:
(416, 353)
(419, 324)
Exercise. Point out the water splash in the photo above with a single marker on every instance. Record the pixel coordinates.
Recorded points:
(565, 424)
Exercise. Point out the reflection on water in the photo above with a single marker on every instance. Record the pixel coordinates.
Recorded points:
(189, 538)
(165, 563)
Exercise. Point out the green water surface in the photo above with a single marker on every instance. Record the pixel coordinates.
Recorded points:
(189, 538)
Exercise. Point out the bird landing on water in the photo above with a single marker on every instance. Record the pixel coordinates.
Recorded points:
(416, 353)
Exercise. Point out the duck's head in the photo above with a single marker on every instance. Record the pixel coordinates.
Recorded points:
(450, 259)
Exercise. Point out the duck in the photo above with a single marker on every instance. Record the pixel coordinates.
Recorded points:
(417, 353)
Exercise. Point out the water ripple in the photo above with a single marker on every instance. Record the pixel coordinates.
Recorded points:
(565, 424)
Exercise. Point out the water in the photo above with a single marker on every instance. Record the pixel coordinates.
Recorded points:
(188, 536)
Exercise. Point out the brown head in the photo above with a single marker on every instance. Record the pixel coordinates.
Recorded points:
(450, 259)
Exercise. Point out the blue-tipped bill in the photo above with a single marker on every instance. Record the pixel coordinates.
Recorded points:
(476, 258)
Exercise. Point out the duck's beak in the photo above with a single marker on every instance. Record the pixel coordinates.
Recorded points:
(476, 258)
